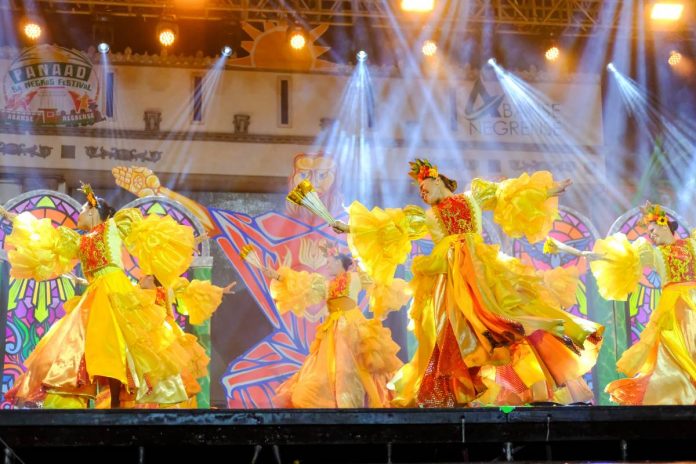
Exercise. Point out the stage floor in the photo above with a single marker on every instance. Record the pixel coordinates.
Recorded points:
(571, 433)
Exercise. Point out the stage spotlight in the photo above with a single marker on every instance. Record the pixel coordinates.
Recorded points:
(297, 37)
(418, 6)
(226, 51)
(611, 67)
(361, 56)
(231, 37)
(298, 41)
(674, 58)
(552, 54)
(32, 30)
(492, 61)
(167, 37)
(429, 48)
(167, 31)
(667, 11)
(103, 33)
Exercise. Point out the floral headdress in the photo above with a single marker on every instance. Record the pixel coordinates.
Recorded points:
(654, 213)
(89, 193)
(422, 169)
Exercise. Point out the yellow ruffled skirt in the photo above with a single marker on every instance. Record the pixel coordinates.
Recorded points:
(490, 331)
(661, 366)
(348, 366)
(113, 331)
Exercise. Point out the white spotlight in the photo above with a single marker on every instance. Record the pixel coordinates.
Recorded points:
(492, 61)
(361, 56)
(611, 67)
(103, 48)
(674, 58)
(418, 6)
(32, 30)
(662, 11)
(226, 51)
(553, 53)
(429, 48)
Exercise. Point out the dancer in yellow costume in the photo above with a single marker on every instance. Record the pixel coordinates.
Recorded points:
(198, 299)
(113, 334)
(490, 330)
(661, 366)
(352, 358)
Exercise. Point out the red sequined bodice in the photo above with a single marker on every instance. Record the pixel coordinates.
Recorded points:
(680, 261)
(94, 252)
(457, 214)
(340, 286)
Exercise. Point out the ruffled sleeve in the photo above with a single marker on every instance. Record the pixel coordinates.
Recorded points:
(620, 269)
(521, 206)
(297, 290)
(198, 299)
(163, 247)
(562, 284)
(39, 251)
(387, 298)
(381, 238)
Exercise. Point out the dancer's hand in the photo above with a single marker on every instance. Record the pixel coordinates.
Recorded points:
(270, 273)
(591, 256)
(559, 187)
(7, 214)
(75, 279)
(201, 238)
(340, 227)
(228, 290)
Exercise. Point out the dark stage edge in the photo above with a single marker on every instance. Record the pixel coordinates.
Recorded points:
(532, 434)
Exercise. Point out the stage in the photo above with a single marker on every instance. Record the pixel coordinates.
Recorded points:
(573, 433)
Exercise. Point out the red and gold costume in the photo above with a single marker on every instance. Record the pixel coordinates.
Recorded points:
(352, 358)
(114, 330)
(661, 366)
(489, 329)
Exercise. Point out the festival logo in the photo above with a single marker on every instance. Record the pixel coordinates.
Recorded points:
(53, 86)
(490, 113)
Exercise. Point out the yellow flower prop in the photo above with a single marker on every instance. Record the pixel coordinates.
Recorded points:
(305, 195)
(662, 221)
(550, 246)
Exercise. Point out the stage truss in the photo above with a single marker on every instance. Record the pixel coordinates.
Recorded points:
(570, 17)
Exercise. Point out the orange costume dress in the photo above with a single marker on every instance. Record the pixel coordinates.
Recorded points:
(661, 366)
(490, 329)
(352, 358)
(114, 330)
